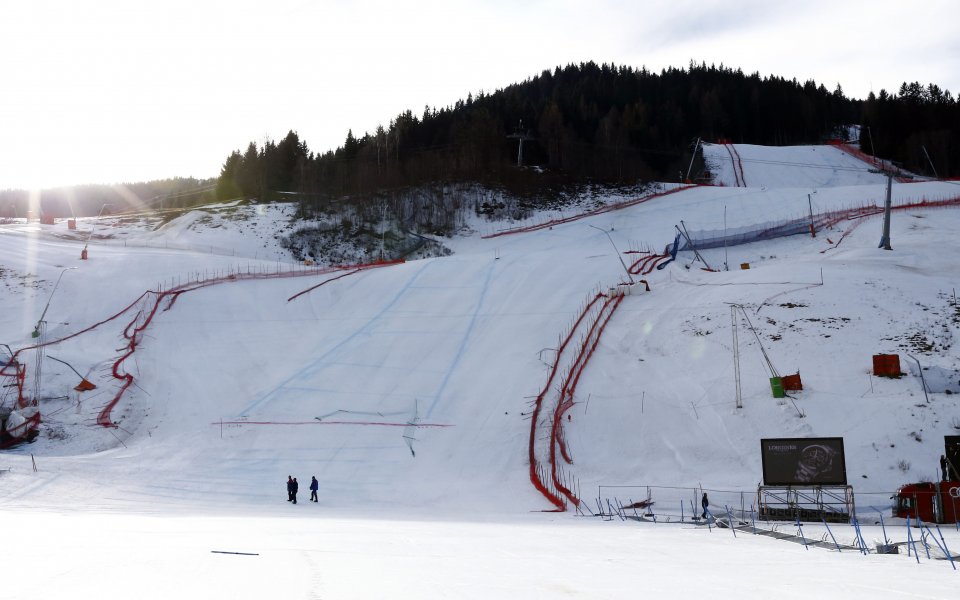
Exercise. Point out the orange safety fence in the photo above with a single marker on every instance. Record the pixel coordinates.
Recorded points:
(737, 164)
(568, 392)
(647, 264)
(857, 215)
(318, 422)
(535, 470)
(589, 213)
(555, 489)
(374, 265)
(870, 160)
(141, 320)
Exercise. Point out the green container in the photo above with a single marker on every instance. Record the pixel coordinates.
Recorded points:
(776, 384)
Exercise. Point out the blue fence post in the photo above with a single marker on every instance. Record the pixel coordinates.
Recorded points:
(942, 547)
(831, 533)
(800, 531)
(730, 520)
(923, 537)
(945, 549)
(861, 544)
(911, 543)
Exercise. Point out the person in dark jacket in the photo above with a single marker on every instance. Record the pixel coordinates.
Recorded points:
(289, 488)
(705, 503)
(314, 486)
(296, 487)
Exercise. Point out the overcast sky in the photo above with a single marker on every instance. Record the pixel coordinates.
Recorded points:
(105, 91)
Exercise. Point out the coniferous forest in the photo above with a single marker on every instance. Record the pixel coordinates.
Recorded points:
(579, 124)
(599, 123)
(92, 199)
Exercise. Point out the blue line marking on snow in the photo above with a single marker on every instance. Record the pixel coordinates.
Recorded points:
(463, 342)
(273, 393)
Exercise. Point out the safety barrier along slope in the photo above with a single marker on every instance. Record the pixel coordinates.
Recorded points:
(873, 161)
(547, 445)
(589, 213)
(736, 162)
(565, 400)
(539, 426)
(132, 332)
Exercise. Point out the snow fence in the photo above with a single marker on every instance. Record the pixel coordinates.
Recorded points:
(144, 309)
(548, 449)
(734, 236)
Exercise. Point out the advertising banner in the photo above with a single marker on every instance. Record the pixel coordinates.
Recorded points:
(803, 461)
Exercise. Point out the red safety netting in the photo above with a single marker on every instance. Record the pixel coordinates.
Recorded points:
(856, 216)
(568, 393)
(737, 163)
(546, 472)
(873, 161)
(589, 213)
(536, 468)
(150, 302)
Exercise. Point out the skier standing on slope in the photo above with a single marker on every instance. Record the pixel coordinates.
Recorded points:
(293, 494)
(705, 503)
(314, 486)
(289, 488)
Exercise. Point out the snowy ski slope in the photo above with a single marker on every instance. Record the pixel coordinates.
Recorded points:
(408, 391)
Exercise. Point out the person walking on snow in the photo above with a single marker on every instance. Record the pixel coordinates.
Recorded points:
(289, 488)
(705, 503)
(314, 486)
(293, 494)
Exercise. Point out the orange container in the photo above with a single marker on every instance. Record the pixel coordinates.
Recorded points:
(886, 365)
(792, 382)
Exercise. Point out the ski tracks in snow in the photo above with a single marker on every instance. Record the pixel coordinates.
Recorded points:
(359, 353)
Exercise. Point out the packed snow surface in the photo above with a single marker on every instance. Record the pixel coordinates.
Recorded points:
(407, 391)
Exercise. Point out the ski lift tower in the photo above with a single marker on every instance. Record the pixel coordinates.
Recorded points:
(521, 135)
(887, 205)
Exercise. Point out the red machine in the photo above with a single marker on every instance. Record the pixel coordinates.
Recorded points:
(930, 502)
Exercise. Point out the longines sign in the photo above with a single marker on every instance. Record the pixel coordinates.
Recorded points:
(803, 461)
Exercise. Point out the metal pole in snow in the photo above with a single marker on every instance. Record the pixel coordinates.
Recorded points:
(620, 256)
(726, 266)
(831, 533)
(730, 520)
(862, 542)
(911, 543)
(692, 247)
(689, 168)
(885, 239)
(923, 537)
(939, 545)
(931, 162)
(800, 531)
(945, 549)
(922, 381)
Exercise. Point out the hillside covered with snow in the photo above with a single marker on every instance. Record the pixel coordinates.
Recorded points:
(426, 396)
